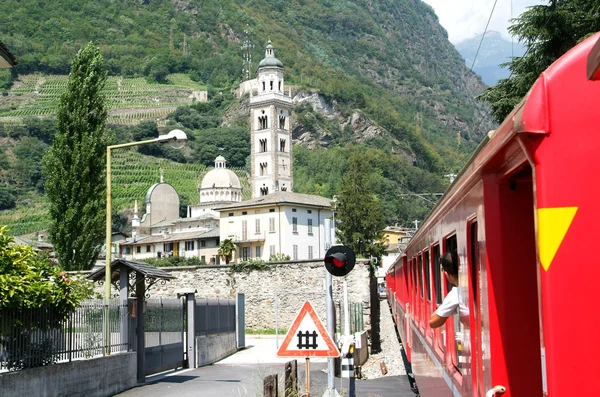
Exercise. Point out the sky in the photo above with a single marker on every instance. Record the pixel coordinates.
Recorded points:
(464, 19)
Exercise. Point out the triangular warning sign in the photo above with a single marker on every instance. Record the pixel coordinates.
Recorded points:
(307, 337)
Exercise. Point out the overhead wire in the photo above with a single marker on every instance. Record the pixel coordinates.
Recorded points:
(487, 114)
(483, 35)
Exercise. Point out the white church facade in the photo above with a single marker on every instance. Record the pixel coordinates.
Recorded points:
(274, 221)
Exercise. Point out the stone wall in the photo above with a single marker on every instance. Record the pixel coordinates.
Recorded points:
(282, 289)
(96, 377)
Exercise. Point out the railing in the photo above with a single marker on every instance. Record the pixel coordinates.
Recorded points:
(355, 316)
(36, 337)
(250, 236)
(214, 316)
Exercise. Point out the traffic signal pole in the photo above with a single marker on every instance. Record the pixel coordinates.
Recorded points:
(339, 261)
(331, 392)
(348, 348)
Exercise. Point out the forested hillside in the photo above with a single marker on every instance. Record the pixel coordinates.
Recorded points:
(388, 61)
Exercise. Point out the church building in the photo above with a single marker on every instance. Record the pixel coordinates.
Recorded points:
(276, 220)
(162, 233)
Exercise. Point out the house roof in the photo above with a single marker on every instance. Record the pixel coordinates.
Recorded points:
(7, 59)
(279, 198)
(174, 237)
(202, 217)
(37, 245)
(118, 264)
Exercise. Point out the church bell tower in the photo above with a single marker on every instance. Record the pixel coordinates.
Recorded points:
(270, 129)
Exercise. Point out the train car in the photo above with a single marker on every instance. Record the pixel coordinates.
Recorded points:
(523, 218)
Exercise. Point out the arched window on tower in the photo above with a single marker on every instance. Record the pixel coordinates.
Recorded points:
(262, 122)
(282, 145)
(282, 122)
(263, 145)
(280, 86)
(264, 190)
(263, 168)
(263, 85)
(271, 85)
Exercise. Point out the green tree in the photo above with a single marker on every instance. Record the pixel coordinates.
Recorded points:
(74, 166)
(30, 280)
(360, 220)
(8, 198)
(226, 249)
(548, 31)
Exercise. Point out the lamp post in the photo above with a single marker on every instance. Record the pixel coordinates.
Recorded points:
(177, 139)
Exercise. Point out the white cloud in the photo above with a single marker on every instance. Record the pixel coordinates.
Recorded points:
(466, 18)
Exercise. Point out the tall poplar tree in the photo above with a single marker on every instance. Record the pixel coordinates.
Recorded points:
(359, 220)
(75, 164)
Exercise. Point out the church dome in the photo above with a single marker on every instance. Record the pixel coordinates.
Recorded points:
(220, 177)
(270, 60)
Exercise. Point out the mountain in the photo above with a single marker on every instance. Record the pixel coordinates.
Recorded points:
(394, 85)
(495, 50)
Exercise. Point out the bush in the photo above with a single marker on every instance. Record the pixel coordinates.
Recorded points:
(175, 261)
(29, 280)
(36, 296)
(249, 265)
(279, 257)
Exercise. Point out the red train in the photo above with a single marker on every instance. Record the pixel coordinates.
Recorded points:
(523, 218)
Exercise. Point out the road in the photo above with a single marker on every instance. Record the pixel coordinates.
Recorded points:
(242, 373)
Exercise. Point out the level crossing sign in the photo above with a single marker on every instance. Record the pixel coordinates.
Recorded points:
(307, 337)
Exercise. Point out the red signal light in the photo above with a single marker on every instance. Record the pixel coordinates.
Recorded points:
(339, 260)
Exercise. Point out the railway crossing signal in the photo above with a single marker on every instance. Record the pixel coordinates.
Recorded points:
(339, 260)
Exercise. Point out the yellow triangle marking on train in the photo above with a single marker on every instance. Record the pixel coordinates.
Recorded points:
(553, 224)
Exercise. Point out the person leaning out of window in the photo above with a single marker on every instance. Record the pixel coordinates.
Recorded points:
(452, 303)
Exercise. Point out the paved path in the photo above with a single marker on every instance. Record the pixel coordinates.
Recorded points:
(242, 373)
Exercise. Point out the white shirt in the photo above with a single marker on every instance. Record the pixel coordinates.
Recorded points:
(451, 303)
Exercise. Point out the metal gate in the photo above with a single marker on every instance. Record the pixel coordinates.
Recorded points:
(164, 327)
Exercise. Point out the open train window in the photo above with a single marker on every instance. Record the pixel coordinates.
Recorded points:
(420, 271)
(437, 275)
(427, 274)
(451, 245)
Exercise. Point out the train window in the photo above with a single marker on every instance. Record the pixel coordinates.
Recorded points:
(420, 271)
(427, 275)
(437, 275)
(451, 245)
(476, 353)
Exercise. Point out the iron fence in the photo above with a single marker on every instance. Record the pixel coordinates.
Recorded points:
(163, 322)
(214, 316)
(42, 336)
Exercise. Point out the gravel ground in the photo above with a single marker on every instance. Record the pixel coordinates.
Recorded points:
(390, 349)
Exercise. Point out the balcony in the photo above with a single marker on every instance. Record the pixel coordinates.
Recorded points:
(250, 237)
(270, 96)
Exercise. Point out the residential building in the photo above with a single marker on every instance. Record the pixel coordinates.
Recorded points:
(279, 223)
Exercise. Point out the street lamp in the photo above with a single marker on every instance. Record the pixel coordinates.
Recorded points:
(177, 140)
